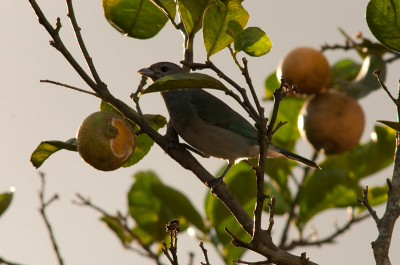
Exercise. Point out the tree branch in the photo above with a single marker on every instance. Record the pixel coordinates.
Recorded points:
(121, 223)
(328, 239)
(6, 262)
(204, 253)
(365, 202)
(294, 204)
(386, 224)
(77, 30)
(71, 87)
(42, 209)
(246, 103)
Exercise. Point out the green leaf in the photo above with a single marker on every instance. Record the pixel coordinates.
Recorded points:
(5, 200)
(392, 124)
(192, 14)
(145, 237)
(337, 184)
(253, 41)
(288, 134)
(184, 81)
(117, 229)
(139, 19)
(382, 18)
(365, 82)
(271, 83)
(345, 69)
(241, 181)
(143, 141)
(216, 19)
(47, 148)
(153, 204)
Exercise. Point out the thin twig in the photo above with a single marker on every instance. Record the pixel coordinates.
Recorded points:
(71, 87)
(294, 204)
(239, 261)
(328, 239)
(204, 253)
(191, 258)
(136, 96)
(173, 229)
(6, 262)
(246, 104)
(279, 94)
(271, 206)
(77, 30)
(233, 55)
(345, 47)
(164, 249)
(59, 45)
(123, 225)
(365, 202)
(42, 209)
(377, 73)
(246, 74)
(280, 124)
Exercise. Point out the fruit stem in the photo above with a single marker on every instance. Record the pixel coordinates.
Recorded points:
(110, 131)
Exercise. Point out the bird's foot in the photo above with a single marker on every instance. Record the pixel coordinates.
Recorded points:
(214, 183)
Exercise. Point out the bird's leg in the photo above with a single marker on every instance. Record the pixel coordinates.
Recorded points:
(214, 183)
(172, 135)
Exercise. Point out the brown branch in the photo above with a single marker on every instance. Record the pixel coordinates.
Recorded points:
(191, 258)
(6, 262)
(328, 239)
(204, 253)
(279, 94)
(246, 104)
(345, 47)
(71, 87)
(365, 202)
(246, 74)
(295, 202)
(233, 55)
(377, 73)
(136, 96)
(77, 30)
(386, 224)
(239, 261)
(271, 221)
(59, 45)
(280, 124)
(274, 256)
(164, 249)
(122, 223)
(42, 209)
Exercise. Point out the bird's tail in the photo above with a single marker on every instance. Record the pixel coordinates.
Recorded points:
(292, 156)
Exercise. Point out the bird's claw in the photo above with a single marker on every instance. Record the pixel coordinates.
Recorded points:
(214, 183)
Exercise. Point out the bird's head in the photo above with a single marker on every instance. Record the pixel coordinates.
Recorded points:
(158, 70)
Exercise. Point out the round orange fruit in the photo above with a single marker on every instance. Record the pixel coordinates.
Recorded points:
(331, 122)
(306, 68)
(105, 140)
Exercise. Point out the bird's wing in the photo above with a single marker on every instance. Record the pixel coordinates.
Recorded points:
(214, 111)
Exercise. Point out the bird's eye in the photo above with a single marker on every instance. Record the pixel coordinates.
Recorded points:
(164, 69)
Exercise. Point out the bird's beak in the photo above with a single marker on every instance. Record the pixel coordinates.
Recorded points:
(147, 72)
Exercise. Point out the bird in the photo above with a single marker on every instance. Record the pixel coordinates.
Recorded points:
(211, 126)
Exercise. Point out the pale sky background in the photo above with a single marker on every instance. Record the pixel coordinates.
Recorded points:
(32, 112)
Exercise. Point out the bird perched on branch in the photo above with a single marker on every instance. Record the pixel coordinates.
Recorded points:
(211, 126)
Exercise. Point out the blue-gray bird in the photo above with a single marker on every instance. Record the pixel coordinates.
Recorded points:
(211, 126)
